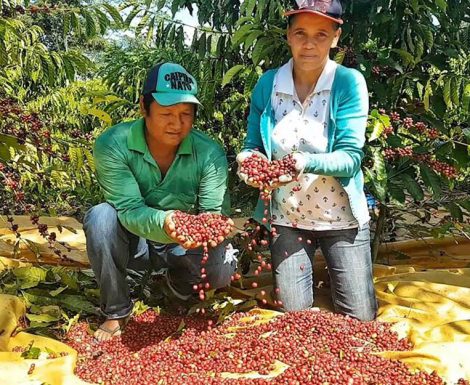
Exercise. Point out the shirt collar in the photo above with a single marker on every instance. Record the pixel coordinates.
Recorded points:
(284, 82)
(136, 139)
(186, 146)
(325, 81)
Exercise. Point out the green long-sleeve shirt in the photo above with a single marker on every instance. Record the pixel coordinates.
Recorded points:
(133, 184)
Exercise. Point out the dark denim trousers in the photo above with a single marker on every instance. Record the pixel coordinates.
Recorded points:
(348, 257)
(112, 250)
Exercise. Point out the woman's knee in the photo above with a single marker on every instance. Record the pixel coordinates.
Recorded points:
(293, 297)
(364, 309)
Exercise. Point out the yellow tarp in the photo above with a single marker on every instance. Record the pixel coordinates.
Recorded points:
(431, 308)
(71, 233)
(427, 296)
(14, 369)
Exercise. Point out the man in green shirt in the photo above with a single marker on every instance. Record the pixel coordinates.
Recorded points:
(147, 168)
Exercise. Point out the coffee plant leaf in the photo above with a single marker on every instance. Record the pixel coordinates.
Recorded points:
(4, 153)
(231, 73)
(34, 247)
(249, 7)
(431, 180)
(181, 326)
(247, 305)
(395, 141)
(444, 149)
(32, 352)
(77, 303)
(248, 42)
(202, 49)
(442, 4)
(38, 297)
(440, 231)
(396, 192)
(413, 187)
(53, 310)
(70, 228)
(114, 13)
(67, 277)
(447, 93)
(29, 276)
(261, 49)
(461, 155)
(376, 128)
(92, 293)
(407, 57)
(57, 291)
(139, 308)
(466, 98)
(42, 318)
(144, 22)
(251, 80)
(379, 168)
(466, 132)
(339, 57)
(101, 115)
(456, 86)
(70, 321)
(455, 211)
(465, 204)
(378, 187)
(241, 33)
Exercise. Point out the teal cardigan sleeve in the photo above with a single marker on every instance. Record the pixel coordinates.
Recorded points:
(259, 100)
(350, 120)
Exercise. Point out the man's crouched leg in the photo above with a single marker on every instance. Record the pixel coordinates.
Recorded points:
(111, 250)
(184, 268)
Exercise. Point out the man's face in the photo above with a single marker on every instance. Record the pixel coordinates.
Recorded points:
(310, 38)
(168, 125)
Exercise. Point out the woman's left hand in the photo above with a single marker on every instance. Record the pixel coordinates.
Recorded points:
(300, 162)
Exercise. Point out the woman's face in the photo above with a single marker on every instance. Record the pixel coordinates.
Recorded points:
(310, 38)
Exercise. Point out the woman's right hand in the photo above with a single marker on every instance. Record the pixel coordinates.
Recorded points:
(241, 157)
(281, 181)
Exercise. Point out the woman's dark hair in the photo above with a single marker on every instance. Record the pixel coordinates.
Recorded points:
(148, 99)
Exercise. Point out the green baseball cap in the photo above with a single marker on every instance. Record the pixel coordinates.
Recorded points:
(169, 84)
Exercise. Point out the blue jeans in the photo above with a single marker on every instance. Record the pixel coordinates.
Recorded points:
(348, 258)
(112, 250)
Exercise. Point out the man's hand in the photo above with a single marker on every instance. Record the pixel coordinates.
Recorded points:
(186, 241)
(241, 157)
(170, 229)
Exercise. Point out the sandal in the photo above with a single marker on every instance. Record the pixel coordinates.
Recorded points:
(116, 331)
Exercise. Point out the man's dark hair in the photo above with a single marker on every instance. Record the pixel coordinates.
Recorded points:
(290, 21)
(148, 99)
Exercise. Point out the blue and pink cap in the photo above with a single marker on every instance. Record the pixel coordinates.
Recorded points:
(331, 9)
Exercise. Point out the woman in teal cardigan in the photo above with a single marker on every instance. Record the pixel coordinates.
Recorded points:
(316, 110)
